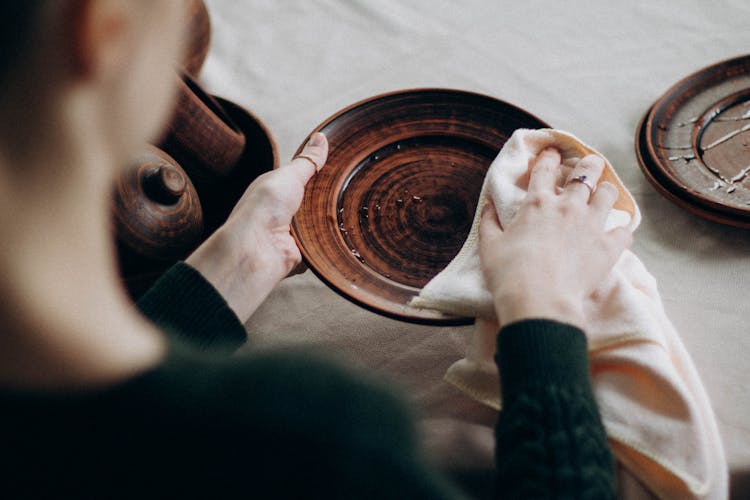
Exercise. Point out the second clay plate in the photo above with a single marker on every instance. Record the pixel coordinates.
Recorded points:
(397, 197)
(694, 143)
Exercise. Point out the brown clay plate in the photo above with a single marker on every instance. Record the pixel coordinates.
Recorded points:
(694, 143)
(396, 200)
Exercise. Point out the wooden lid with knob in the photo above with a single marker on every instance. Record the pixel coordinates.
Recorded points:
(157, 210)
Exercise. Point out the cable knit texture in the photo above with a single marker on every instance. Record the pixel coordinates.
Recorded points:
(550, 438)
(291, 424)
(185, 303)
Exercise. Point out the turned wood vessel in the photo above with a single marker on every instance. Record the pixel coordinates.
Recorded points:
(157, 211)
(258, 157)
(693, 144)
(160, 217)
(397, 197)
(202, 137)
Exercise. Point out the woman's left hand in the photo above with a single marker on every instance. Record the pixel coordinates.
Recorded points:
(254, 250)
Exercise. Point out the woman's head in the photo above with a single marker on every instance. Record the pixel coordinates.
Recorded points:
(106, 63)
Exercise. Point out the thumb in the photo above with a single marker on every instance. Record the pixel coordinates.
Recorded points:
(489, 222)
(490, 231)
(312, 157)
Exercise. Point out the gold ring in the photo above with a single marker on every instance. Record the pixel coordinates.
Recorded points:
(583, 180)
(308, 159)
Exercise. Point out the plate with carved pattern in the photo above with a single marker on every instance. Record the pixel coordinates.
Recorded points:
(694, 143)
(397, 197)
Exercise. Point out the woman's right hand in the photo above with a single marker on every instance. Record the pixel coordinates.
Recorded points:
(555, 250)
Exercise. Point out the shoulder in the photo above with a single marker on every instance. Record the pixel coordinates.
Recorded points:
(294, 421)
(283, 422)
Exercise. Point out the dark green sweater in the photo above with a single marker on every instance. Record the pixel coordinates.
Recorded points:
(290, 424)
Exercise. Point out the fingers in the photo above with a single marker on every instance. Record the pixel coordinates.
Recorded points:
(581, 181)
(619, 239)
(544, 171)
(312, 157)
(603, 200)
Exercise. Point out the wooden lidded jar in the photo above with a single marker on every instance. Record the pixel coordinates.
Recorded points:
(157, 216)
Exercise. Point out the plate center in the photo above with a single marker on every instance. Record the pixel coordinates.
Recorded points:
(405, 211)
(724, 142)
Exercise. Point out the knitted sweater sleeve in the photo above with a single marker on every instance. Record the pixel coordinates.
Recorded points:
(550, 438)
(187, 306)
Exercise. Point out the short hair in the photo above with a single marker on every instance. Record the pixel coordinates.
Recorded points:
(17, 20)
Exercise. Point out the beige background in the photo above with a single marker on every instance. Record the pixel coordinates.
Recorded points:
(589, 67)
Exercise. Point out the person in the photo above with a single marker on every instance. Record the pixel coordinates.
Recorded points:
(103, 399)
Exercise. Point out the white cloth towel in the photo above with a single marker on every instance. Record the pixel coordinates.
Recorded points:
(655, 410)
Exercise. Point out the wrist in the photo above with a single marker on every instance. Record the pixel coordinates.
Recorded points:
(242, 280)
(559, 308)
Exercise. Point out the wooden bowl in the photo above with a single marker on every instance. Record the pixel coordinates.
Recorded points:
(693, 144)
(259, 156)
(396, 200)
(157, 212)
(199, 38)
(202, 137)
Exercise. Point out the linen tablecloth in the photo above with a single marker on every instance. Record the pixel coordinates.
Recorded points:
(589, 67)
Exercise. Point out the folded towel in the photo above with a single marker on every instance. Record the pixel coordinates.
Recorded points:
(654, 407)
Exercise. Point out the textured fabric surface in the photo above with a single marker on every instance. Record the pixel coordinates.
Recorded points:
(291, 424)
(654, 406)
(589, 67)
(282, 425)
(540, 391)
(294, 423)
(182, 300)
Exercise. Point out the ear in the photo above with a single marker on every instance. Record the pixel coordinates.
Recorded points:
(99, 30)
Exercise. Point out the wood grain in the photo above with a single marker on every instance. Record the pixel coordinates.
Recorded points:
(155, 216)
(694, 143)
(396, 200)
(201, 136)
(259, 156)
(157, 210)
